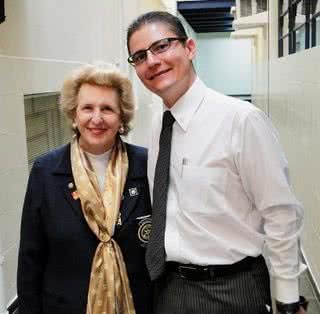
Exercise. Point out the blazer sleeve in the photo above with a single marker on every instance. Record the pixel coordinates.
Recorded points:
(32, 250)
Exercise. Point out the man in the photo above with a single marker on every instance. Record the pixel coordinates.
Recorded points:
(225, 194)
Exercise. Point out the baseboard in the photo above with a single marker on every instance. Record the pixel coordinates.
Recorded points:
(12, 306)
(310, 275)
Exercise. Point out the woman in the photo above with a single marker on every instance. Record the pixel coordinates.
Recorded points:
(86, 215)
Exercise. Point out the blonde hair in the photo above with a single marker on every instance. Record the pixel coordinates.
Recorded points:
(97, 75)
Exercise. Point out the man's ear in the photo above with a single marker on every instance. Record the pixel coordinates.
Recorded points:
(191, 47)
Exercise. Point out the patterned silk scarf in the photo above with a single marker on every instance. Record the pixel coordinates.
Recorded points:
(109, 290)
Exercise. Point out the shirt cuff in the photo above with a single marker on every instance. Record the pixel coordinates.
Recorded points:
(286, 291)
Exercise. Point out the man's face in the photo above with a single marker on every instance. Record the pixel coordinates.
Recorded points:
(168, 74)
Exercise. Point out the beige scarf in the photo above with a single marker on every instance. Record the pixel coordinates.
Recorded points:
(109, 290)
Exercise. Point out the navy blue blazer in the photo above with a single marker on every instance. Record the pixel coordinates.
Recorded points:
(57, 246)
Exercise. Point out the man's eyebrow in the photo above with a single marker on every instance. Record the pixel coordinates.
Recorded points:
(140, 50)
(155, 42)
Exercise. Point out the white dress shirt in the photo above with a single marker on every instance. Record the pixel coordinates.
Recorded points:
(229, 192)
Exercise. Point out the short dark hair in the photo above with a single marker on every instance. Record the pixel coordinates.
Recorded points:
(163, 17)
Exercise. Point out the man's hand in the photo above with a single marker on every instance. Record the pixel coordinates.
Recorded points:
(301, 311)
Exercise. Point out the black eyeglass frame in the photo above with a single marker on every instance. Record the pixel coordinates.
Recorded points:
(154, 44)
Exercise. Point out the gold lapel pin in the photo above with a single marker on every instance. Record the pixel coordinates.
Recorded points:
(75, 195)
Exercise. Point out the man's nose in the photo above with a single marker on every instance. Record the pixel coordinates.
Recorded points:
(152, 59)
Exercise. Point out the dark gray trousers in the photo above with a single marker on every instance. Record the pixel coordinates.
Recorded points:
(244, 292)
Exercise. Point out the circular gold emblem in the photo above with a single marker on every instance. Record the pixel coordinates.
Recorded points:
(144, 230)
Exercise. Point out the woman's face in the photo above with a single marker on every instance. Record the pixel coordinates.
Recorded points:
(97, 118)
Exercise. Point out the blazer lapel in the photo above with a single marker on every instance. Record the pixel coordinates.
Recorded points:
(71, 196)
(134, 185)
(130, 197)
(64, 178)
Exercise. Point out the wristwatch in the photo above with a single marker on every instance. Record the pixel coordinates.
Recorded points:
(292, 308)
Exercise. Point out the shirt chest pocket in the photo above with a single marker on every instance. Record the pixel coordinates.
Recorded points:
(202, 189)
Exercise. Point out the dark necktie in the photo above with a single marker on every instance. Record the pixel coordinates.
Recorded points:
(155, 255)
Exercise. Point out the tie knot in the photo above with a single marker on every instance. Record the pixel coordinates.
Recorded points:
(168, 119)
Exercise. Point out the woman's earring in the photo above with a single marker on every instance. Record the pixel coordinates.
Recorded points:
(121, 130)
(74, 126)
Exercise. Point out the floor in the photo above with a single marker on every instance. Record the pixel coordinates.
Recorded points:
(307, 290)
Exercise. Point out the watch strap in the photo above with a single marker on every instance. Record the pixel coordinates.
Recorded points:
(292, 308)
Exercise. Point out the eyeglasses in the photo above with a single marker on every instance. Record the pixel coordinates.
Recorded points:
(157, 47)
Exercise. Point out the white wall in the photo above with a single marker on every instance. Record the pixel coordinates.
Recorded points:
(73, 31)
(224, 64)
(293, 95)
(294, 109)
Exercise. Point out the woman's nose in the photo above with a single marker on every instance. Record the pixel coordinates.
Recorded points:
(97, 116)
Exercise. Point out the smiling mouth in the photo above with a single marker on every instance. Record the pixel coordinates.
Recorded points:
(97, 131)
(158, 74)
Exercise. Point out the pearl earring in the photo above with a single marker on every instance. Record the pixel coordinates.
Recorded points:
(121, 129)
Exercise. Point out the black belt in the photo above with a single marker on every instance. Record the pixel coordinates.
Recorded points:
(197, 272)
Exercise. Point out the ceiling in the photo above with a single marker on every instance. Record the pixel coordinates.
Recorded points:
(208, 16)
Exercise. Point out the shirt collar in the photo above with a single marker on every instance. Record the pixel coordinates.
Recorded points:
(185, 107)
